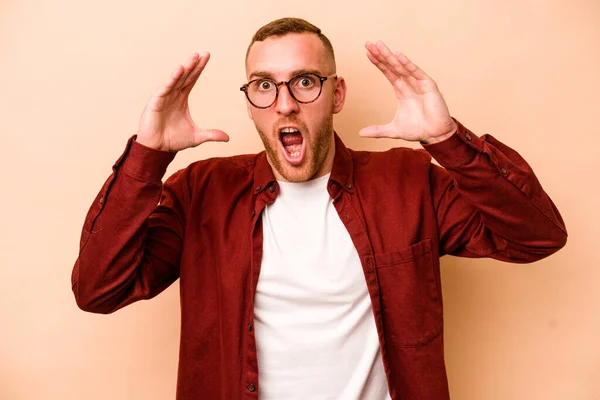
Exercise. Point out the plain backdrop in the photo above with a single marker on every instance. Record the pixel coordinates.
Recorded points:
(74, 78)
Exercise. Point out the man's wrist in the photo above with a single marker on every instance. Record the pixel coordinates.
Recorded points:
(441, 137)
(145, 163)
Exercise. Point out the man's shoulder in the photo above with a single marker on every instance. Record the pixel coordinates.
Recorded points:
(397, 157)
(236, 167)
(239, 162)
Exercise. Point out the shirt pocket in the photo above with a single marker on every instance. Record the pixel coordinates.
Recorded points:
(410, 296)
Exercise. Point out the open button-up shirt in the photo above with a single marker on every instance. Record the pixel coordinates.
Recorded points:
(203, 227)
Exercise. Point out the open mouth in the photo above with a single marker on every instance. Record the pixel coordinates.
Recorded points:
(292, 145)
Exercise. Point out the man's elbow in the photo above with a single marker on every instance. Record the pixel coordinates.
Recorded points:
(90, 303)
(540, 249)
(557, 240)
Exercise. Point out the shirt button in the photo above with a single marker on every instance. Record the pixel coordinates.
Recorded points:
(349, 186)
(468, 137)
(272, 189)
(258, 188)
(253, 213)
(249, 327)
(101, 200)
(503, 171)
(251, 387)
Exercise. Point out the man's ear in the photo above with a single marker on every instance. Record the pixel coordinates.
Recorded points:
(339, 94)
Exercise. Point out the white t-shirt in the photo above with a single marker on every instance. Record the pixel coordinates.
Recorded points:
(315, 331)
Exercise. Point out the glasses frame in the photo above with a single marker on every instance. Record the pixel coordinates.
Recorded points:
(322, 79)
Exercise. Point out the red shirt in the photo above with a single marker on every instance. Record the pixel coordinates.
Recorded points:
(402, 212)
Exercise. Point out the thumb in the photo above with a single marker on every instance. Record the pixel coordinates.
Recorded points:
(375, 131)
(210, 135)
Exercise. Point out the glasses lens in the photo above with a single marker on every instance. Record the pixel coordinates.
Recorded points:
(306, 87)
(262, 92)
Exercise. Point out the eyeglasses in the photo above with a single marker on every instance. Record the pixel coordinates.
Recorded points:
(304, 88)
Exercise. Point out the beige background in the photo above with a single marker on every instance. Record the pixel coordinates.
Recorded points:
(75, 75)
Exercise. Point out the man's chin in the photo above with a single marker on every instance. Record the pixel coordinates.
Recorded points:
(294, 173)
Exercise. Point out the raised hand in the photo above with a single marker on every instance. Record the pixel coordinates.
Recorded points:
(166, 123)
(422, 113)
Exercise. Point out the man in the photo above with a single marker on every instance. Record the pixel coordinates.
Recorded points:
(308, 271)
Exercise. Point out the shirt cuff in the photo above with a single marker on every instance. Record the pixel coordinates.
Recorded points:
(457, 150)
(144, 163)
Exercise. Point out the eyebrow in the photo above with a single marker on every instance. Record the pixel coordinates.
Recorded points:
(265, 74)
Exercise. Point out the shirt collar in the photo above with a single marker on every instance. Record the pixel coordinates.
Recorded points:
(342, 171)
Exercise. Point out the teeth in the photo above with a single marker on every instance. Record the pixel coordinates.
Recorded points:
(289, 130)
(295, 154)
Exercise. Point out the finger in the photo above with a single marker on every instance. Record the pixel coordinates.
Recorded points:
(376, 61)
(375, 131)
(389, 74)
(171, 82)
(188, 68)
(408, 65)
(196, 72)
(413, 82)
(176, 77)
(385, 56)
(381, 61)
(211, 135)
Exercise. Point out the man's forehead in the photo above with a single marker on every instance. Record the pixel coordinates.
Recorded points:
(284, 55)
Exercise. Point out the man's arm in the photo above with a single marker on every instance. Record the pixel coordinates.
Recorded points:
(131, 245)
(489, 202)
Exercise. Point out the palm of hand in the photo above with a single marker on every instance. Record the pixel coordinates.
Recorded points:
(421, 111)
(166, 123)
(173, 120)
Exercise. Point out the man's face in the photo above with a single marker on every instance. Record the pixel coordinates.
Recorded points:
(308, 153)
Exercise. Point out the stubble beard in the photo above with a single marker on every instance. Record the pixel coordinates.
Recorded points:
(313, 159)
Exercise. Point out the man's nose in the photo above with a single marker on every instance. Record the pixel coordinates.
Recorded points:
(285, 103)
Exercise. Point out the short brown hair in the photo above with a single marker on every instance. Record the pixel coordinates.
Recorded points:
(284, 26)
